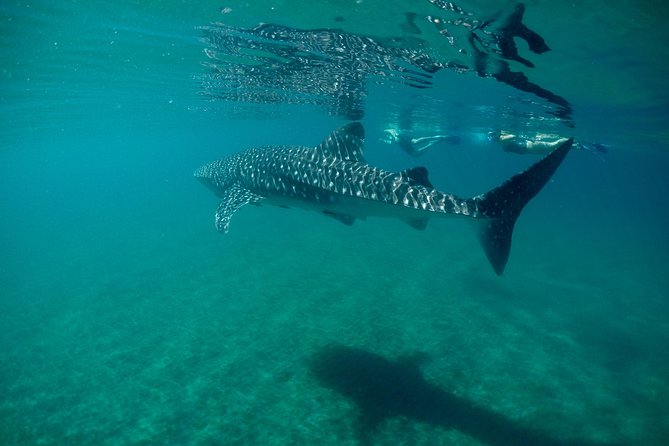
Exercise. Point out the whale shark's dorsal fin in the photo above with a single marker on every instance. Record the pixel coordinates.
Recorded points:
(232, 199)
(345, 143)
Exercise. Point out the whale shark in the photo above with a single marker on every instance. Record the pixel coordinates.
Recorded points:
(333, 178)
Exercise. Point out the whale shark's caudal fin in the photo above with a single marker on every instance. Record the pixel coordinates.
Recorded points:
(503, 205)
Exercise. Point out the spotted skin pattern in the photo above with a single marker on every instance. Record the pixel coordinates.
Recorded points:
(334, 178)
(325, 174)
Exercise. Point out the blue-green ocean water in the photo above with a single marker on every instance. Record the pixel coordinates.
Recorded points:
(125, 318)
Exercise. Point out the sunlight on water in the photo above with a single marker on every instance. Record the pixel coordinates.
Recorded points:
(126, 318)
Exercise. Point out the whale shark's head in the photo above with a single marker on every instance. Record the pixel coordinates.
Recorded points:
(213, 175)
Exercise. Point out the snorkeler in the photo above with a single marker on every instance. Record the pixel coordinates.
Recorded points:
(541, 144)
(401, 132)
(416, 146)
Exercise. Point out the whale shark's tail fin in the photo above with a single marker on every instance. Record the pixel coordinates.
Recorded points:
(502, 205)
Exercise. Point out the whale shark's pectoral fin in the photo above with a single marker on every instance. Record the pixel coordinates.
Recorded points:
(232, 199)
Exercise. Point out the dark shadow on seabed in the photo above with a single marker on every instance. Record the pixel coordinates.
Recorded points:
(383, 389)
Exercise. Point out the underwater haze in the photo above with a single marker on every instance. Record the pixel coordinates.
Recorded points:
(126, 318)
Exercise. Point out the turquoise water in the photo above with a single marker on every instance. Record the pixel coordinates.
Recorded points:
(125, 318)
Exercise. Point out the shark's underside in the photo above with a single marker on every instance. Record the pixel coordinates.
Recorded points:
(334, 178)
